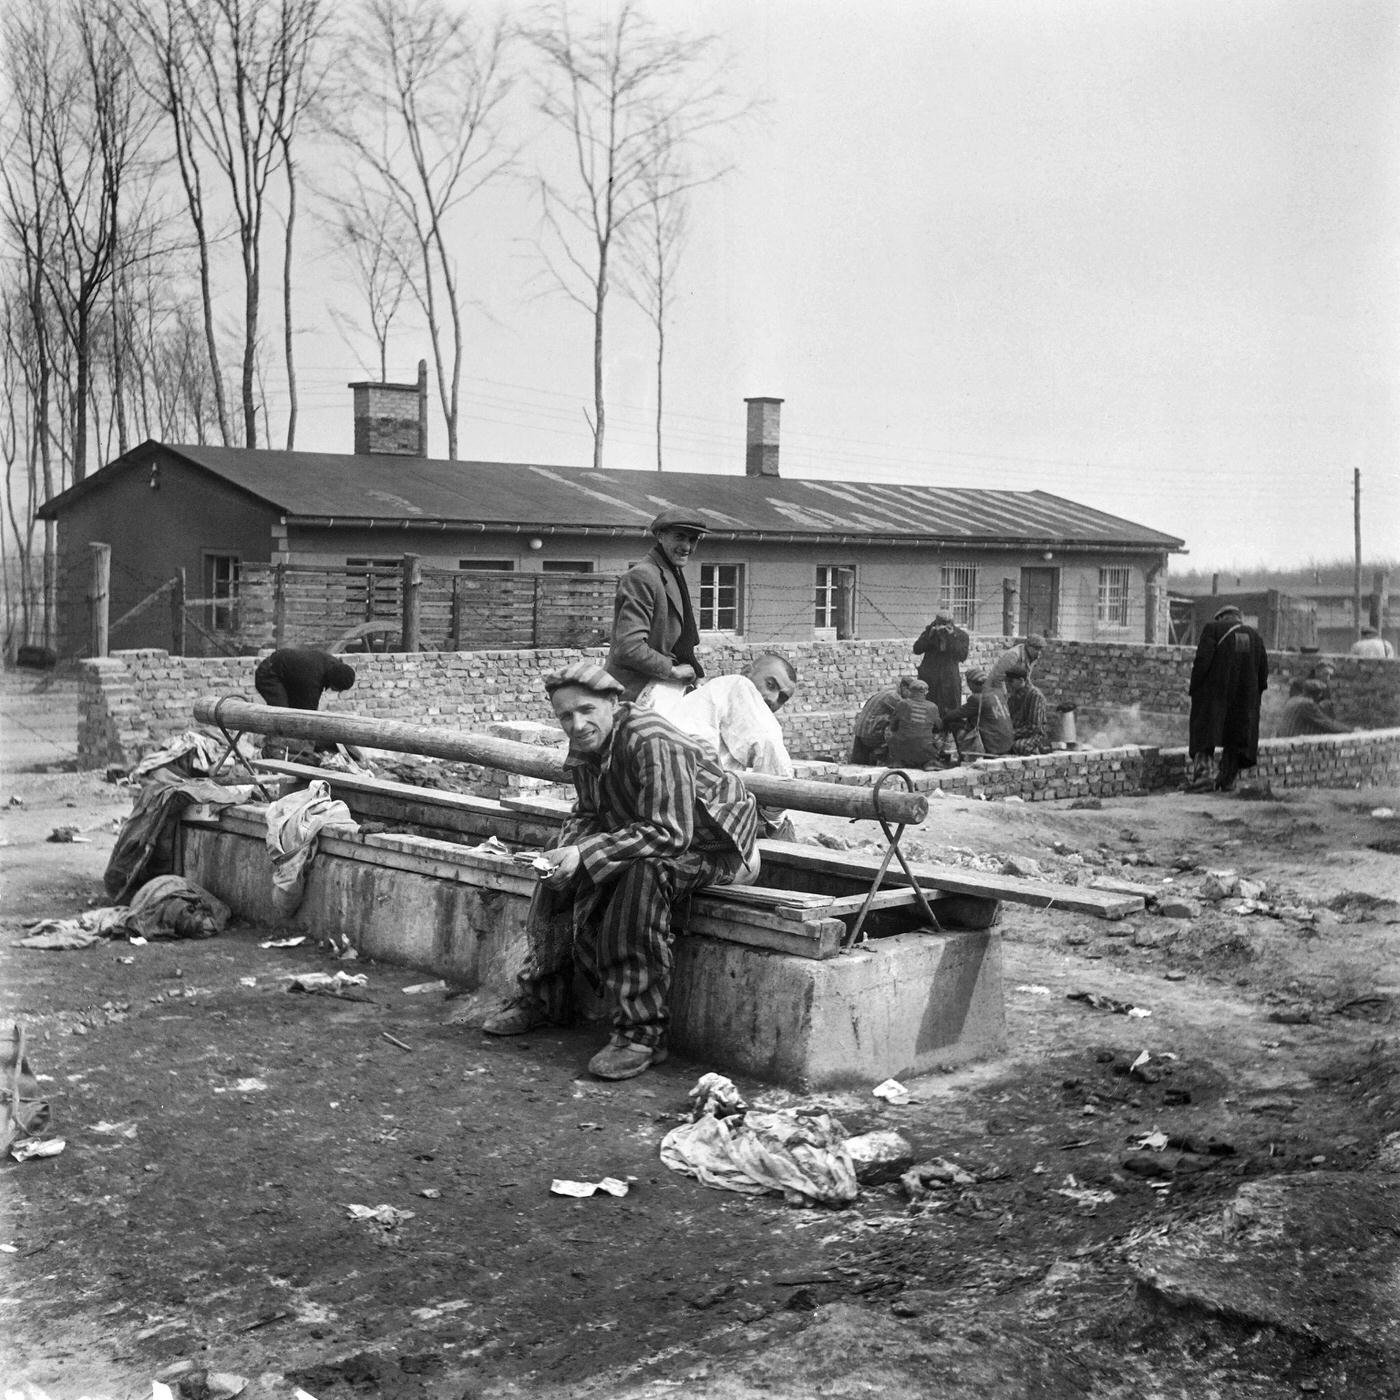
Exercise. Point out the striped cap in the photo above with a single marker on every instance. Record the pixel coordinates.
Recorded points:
(587, 674)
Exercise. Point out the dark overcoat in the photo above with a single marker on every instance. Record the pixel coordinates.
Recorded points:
(942, 648)
(1230, 673)
(648, 616)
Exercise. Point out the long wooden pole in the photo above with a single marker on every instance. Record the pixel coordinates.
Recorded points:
(830, 799)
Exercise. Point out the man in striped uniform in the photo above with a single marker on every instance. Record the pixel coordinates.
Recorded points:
(656, 818)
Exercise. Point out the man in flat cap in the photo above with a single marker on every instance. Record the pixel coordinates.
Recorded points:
(942, 648)
(1228, 678)
(656, 818)
(654, 632)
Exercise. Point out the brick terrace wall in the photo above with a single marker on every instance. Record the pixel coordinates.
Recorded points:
(134, 701)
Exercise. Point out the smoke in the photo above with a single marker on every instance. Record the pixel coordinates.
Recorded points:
(1111, 727)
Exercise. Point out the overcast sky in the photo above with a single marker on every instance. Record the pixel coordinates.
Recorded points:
(1139, 254)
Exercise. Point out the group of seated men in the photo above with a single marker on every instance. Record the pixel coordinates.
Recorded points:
(1004, 713)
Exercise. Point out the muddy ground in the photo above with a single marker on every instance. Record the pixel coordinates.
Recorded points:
(218, 1128)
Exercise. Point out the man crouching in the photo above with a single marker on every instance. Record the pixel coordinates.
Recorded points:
(656, 818)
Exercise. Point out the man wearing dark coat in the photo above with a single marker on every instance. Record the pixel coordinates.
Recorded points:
(942, 648)
(654, 632)
(1230, 674)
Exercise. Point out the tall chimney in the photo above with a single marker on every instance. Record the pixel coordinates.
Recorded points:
(391, 420)
(761, 454)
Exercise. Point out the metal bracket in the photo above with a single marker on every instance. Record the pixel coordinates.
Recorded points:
(233, 751)
(892, 850)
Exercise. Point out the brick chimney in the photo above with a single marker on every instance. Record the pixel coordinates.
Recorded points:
(391, 420)
(761, 454)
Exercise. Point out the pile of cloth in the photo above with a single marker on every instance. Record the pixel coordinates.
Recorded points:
(801, 1153)
(167, 907)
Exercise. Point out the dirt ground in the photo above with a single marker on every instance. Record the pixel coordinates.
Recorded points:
(218, 1128)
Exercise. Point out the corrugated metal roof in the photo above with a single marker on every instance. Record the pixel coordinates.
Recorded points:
(325, 486)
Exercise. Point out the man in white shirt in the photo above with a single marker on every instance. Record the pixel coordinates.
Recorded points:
(1372, 644)
(737, 717)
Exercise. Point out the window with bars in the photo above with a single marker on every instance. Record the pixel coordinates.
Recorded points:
(372, 587)
(1115, 584)
(957, 594)
(719, 607)
(221, 575)
(495, 566)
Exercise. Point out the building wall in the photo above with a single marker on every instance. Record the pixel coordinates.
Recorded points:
(152, 532)
(897, 588)
(135, 701)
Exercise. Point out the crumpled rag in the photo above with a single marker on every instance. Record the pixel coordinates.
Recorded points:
(293, 824)
(797, 1152)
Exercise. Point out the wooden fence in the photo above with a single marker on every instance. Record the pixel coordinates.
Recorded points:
(410, 608)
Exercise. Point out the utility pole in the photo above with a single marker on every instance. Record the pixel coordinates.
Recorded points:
(1356, 569)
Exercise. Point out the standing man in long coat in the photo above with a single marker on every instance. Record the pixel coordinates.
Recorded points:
(1228, 678)
(942, 647)
(654, 632)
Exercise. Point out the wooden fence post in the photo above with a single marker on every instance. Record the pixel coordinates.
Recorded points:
(100, 596)
(456, 623)
(535, 613)
(1008, 607)
(177, 613)
(412, 600)
(279, 605)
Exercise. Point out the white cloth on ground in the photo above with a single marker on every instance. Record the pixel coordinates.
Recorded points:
(293, 824)
(730, 1146)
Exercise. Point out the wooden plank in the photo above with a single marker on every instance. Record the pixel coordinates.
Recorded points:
(364, 782)
(821, 942)
(788, 904)
(1037, 894)
(884, 899)
(556, 809)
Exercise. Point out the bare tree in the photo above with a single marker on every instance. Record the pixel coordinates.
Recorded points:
(423, 128)
(235, 78)
(371, 236)
(632, 103)
(652, 248)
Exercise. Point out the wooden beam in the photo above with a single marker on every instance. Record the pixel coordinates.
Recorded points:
(833, 799)
(1038, 894)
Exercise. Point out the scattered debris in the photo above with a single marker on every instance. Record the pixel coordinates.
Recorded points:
(1106, 1003)
(610, 1185)
(1023, 867)
(330, 984)
(22, 1149)
(880, 1156)
(920, 1182)
(242, 1086)
(284, 942)
(893, 1093)
(65, 835)
(418, 988)
(541, 865)
(1178, 909)
(394, 1040)
(1033, 989)
(1384, 813)
(431, 1193)
(1084, 1195)
(387, 1217)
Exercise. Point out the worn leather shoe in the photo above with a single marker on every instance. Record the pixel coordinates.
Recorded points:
(621, 1059)
(514, 1020)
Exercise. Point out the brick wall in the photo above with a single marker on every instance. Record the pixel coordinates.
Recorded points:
(134, 701)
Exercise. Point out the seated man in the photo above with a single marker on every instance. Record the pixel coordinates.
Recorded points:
(982, 724)
(736, 716)
(1303, 712)
(915, 730)
(656, 819)
(869, 744)
(1030, 718)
